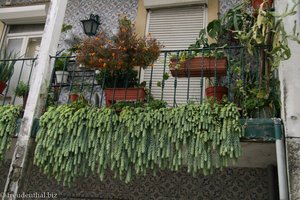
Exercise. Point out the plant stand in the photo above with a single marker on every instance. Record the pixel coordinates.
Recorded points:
(121, 94)
(200, 67)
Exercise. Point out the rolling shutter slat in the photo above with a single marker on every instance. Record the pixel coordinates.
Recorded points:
(176, 28)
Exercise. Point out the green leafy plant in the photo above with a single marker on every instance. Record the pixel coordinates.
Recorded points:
(7, 63)
(108, 78)
(268, 29)
(66, 27)
(8, 123)
(76, 89)
(61, 62)
(164, 78)
(76, 140)
(122, 51)
(22, 89)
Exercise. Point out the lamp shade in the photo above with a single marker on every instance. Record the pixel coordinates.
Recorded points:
(90, 26)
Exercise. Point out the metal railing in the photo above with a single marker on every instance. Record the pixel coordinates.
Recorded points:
(178, 77)
(20, 74)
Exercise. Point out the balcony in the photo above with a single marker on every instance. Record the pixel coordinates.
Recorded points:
(173, 80)
(16, 76)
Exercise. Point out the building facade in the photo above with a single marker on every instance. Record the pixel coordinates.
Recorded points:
(32, 30)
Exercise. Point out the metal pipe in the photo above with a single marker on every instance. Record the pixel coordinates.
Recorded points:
(281, 161)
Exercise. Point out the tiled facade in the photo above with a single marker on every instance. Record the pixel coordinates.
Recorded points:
(229, 184)
(108, 10)
(225, 5)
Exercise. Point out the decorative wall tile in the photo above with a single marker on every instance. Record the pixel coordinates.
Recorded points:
(225, 5)
(229, 184)
(108, 10)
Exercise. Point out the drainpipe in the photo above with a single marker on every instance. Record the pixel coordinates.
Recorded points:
(281, 161)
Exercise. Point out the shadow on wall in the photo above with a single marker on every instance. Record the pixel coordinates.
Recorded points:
(4, 168)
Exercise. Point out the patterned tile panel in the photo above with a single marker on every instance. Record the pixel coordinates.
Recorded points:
(229, 184)
(226, 4)
(108, 10)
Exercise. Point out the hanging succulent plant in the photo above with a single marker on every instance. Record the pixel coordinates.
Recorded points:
(73, 141)
(8, 123)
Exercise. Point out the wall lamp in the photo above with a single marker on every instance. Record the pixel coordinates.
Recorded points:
(90, 26)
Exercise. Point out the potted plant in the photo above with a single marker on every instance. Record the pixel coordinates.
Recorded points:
(257, 3)
(261, 95)
(69, 36)
(210, 62)
(195, 63)
(7, 62)
(117, 57)
(22, 90)
(114, 82)
(216, 89)
(74, 93)
(61, 68)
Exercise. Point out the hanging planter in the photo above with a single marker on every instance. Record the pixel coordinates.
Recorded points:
(2, 86)
(62, 76)
(123, 94)
(216, 92)
(199, 67)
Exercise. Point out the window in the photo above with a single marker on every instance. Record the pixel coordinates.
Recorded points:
(24, 41)
(176, 28)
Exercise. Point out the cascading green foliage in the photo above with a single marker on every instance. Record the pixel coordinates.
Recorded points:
(8, 123)
(73, 141)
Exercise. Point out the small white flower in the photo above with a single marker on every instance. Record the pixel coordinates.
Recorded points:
(97, 71)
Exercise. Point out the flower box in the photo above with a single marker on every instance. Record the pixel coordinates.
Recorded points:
(198, 66)
(118, 94)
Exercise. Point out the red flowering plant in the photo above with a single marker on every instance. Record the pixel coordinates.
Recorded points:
(117, 56)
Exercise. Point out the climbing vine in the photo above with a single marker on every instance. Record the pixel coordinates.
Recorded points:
(74, 141)
(8, 123)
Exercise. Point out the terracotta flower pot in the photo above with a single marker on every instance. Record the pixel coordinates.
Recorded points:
(197, 67)
(118, 94)
(257, 3)
(2, 86)
(73, 97)
(221, 91)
